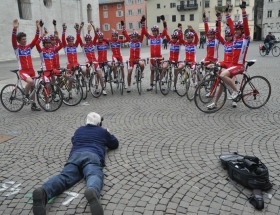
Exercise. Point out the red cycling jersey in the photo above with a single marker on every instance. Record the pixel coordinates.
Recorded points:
(23, 53)
(174, 49)
(212, 45)
(71, 51)
(102, 48)
(89, 50)
(190, 48)
(155, 41)
(47, 55)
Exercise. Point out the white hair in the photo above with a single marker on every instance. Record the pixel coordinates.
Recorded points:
(93, 118)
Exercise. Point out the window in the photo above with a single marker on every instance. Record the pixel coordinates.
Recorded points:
(48, 3)
(138, 1)
(129, 12)
(220, 2)
(191, 17)
(105, 14)
(106, 27)
(172, 5)
(89, 13)
(130, 25)
(236, 17)
(119, 6)
(119, 26)
(129, 2)
(182, 17)
(158, 5)
(228, 1)
(139, 12)
(105, 7)
(191, 2)
(278, 13)
(158, 19)
(270, 0)
(119, 13)
(24, 9)
(269, 14)
(207, 3)
(237, 3)
(139, 25)
(247, 2)
(173, 18)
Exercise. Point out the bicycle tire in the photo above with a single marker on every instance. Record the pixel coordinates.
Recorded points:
(120, 81)
(77, 92)
(190, 85)
(156, 79)
(167, 82)
(9, 95)
(250, 91)
(95, 87)
(53, 93)
(84, 85)
(275, 51)
(110, 80)
(202, 99)
(139, 80)
(181, 83)
(262, 52)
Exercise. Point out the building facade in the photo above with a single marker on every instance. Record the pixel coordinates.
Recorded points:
(28, 11)
(111, 13)
(271, 18)
(189, 12)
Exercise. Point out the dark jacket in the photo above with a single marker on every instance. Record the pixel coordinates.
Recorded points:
(93, 139)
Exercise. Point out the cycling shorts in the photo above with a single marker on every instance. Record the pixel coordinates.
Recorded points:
(118, 59)
(132, 63)
(26, 73)
(193, 66)
(224, 64)
(95, 65)
(236, 69)
(208, 59)
(153, 63)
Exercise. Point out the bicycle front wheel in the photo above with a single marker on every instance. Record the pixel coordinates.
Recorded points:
(139, 80)
(190, 84)
(49, 97)
(212, 101)
(165, 83)
(12, 98)
(181, 88)
(84, 85)
(275, 51)
(120, 81)
(72, 92)
(110, 80)
(256, 92)
(95, 87)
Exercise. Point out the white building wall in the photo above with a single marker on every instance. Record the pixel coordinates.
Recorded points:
(68, 11)
(271, 24)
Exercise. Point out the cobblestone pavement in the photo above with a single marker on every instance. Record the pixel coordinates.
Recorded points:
(167, 162)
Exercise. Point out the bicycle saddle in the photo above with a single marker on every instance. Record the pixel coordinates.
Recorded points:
(251, 62)
(15, 71)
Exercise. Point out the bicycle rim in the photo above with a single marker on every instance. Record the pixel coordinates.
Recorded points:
(95, 87)
(181, 83)
(256, 92)
(12, 98)
(203, 98)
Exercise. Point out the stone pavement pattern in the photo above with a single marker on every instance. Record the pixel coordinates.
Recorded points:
(167, 162)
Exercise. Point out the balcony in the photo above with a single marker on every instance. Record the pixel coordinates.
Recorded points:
(187, 7)
(223, 8)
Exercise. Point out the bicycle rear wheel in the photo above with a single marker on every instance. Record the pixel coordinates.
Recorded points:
(95, 87)
(203, 98)
(181, 88)
(12, 98)
(262, 52)
(165, 84)
(256, 92)
(138, 80)
(275, 51)
(72, 92)
(49, 97)
(190, 84)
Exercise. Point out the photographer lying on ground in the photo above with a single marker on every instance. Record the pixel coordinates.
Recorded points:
(86, 160)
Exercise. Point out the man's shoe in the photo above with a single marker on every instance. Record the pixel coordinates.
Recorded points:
(149, 88)
(234, 104)
(128, 89)
(104, 93)
(212, 106)
(234, 95)
(94, 203)
(34, 107)
(39, 201)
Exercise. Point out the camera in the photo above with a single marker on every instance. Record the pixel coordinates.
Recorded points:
(101, 121)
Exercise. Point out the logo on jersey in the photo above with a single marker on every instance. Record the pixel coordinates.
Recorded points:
(89, 49)
(174, 48)
(101, 47)
(115, 45)
(238, 44)
(211, 43)
(47, 55)
(156, 42)
(134, 45)
(228, 49)
(26, 52)
(71, 50)
(189, 49)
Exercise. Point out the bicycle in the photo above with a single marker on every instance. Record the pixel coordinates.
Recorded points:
(82, 79)
(120, 78)
(138, 74)
(274, 49)
(107, 75)
(168, 76)
(71, 89)
(95, 87)
(156, 68)
(254, 91)
(48, 94)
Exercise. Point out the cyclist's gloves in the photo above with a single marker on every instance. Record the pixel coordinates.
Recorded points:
(204, 16)
(218, 14)
(227, 6)
(64, 27)
(162, 17)
(143, 19)
(122, 23)
(243, 5)
(76, 26)
(54, 22)
(41, 23)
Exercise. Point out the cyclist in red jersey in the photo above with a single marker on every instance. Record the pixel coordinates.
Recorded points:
(212, 43)
(54, 44)
(88, 49)
(134, 54)
(23, 54)
(155, 46)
